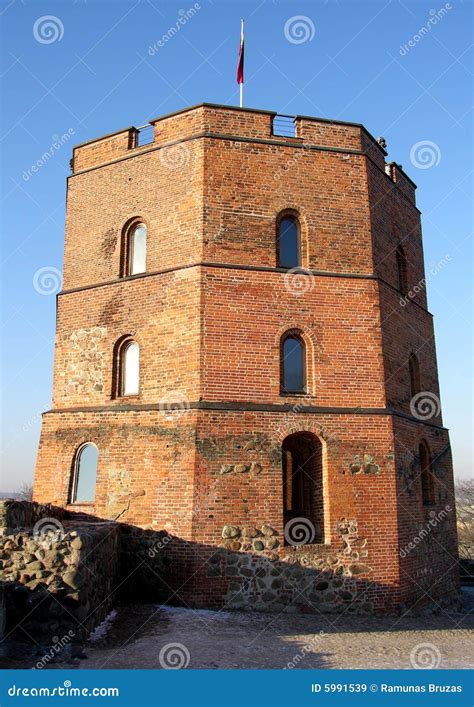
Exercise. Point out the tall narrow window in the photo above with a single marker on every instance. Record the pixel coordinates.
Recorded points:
(402, 270)
(427, 478)
(136, 257)
(289, 247)
(303, 501)
(293, 364)
(414, 367)
(129, 368)
(85, 474)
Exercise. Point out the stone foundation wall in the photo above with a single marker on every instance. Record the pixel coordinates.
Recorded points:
(305, 578)
(23, 514)
(58, 578)
(255, 570)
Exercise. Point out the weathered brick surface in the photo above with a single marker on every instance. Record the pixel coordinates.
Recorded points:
(245, 315)
(162, 313)
(102, 201)
(209, 315)
(427, 534)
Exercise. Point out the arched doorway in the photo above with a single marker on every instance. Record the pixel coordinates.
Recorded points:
(302, 458)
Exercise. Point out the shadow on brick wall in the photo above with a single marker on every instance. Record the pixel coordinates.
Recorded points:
(60, 581)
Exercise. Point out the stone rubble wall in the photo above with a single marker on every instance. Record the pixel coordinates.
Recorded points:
(310, 578)
(25, 514)
(58, 582)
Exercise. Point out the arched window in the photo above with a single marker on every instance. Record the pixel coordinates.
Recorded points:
(289, 245)
(129, 368)
(293, 364)
(85, 474)
(414, 367)
(427, 478)
(402, 270)
(136, 249)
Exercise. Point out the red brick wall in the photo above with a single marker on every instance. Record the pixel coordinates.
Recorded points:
(407, 330)
(245, 315)
(146, 462)
(395, 221)
(155, 472)
(102, 150)
(247, 185)
(163, 189)
(427, 534)
(209, 315)
(160, 312)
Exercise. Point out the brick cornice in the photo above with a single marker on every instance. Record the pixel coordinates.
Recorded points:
(248, 406)
(239, 266)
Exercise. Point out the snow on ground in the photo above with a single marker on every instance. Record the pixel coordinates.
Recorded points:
(154, 636)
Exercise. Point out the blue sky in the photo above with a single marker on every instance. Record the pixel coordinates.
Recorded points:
(90, 71)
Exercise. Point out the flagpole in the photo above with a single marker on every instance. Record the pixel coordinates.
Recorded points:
(242, 82)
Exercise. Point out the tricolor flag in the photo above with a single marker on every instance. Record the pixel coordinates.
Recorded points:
(240, 66)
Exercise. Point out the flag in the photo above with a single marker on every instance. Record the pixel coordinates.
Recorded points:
(240, 67)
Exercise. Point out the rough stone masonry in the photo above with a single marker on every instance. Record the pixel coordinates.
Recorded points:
(198, 450)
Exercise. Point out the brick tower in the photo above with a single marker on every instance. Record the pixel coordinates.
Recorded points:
(245, 361)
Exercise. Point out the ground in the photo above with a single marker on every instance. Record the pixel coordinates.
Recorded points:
(154, 636)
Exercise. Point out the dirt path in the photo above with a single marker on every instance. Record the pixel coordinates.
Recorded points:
(154, 637)
(146, 637)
